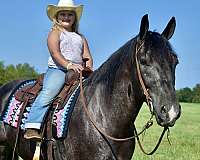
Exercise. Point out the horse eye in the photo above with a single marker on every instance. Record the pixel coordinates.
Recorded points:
(164, 81)
(143, 61)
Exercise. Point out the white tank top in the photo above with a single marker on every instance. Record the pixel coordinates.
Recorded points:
(71, 47)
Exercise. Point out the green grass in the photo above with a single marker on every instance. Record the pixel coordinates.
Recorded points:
(184, 136)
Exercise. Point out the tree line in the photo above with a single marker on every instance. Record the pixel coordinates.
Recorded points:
(191, 95)
(25, 71)
(12, 72)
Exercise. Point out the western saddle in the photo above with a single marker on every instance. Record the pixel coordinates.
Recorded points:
(28, 94)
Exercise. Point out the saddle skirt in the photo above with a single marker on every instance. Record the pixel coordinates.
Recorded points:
(62, 107)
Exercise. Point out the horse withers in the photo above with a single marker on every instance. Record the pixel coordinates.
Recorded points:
(142, 69)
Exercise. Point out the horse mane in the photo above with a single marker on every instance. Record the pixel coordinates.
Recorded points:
(107, 71)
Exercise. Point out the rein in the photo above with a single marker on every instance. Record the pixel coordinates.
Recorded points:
(149, 103)
(84, 102)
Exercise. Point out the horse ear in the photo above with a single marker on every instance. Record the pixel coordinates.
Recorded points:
(144, 27)
(170, 28)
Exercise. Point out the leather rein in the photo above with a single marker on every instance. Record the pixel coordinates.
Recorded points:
(149, 103)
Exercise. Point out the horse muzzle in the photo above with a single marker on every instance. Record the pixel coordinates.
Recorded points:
(168, 115)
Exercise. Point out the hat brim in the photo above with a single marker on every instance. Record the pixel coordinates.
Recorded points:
(52, 10)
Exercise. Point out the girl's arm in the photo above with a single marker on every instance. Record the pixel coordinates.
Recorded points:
(86, 54)
(53, 43)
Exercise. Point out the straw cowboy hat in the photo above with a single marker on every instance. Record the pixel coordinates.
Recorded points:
(52, 10)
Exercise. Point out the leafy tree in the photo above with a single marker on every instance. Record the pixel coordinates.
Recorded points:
(185, 95)
(20, 71)
(10, 73)
(2, 72)
(26, 71)
(196, 94)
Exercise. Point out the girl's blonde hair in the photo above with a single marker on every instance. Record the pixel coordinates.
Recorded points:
(58, 26)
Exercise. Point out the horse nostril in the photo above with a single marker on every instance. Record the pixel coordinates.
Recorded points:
(163, 109)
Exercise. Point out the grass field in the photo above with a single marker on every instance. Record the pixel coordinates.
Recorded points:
(184, 137)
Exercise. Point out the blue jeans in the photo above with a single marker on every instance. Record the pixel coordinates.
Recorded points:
(54, 80)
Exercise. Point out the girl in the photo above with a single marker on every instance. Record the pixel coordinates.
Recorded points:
(67, 49)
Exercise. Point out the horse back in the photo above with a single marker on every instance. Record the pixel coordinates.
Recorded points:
(5, 92)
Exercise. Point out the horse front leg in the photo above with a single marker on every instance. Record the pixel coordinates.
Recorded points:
(6, 153)
(3, 153)
(2, 132)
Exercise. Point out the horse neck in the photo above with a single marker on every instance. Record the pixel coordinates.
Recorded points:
(113, 98)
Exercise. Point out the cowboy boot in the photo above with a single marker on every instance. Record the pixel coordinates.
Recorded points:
(33, 134)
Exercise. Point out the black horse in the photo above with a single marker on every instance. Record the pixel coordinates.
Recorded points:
(114, 96)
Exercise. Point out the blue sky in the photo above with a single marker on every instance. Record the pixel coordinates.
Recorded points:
(107, 25)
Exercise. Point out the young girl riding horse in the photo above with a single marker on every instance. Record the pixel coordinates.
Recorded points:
(67, 48)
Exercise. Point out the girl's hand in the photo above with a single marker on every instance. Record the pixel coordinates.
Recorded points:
(75, 67)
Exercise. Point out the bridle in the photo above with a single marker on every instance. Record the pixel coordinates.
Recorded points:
(149, 103)
(145, 90)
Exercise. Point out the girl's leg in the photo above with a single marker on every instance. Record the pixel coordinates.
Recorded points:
(53, 82)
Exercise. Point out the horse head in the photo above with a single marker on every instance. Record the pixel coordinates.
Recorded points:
(156, 71)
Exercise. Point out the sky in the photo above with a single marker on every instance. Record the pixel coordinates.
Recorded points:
(107, 25)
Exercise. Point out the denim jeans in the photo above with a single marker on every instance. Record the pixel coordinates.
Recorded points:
(54, 80)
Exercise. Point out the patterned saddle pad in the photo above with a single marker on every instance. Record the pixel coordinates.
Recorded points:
(61, 117)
